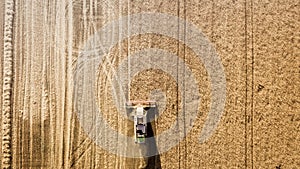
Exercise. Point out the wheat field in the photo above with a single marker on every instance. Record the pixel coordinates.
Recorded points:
(46, 88)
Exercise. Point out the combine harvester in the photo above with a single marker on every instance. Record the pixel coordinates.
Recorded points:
(139, 110)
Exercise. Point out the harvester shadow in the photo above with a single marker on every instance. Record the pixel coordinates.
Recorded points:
(151, 146)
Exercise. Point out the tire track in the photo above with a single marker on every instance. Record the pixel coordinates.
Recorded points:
(7, 85)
